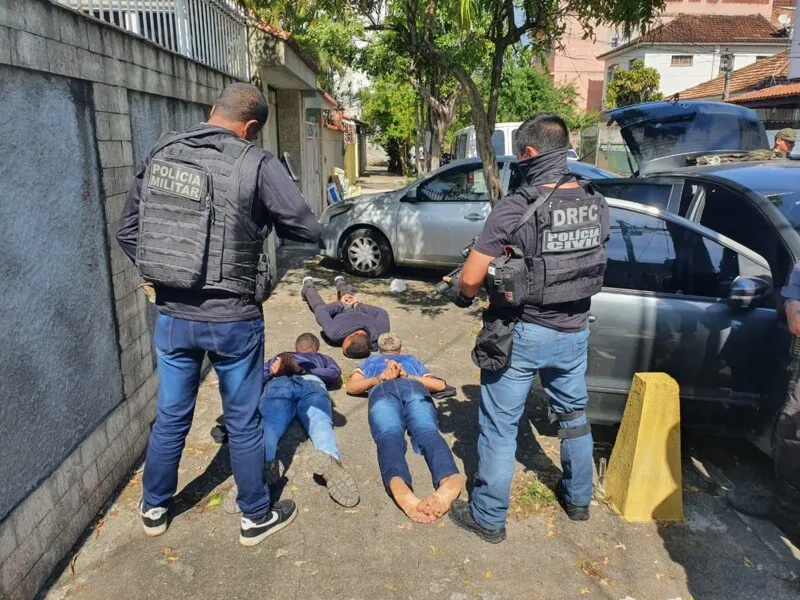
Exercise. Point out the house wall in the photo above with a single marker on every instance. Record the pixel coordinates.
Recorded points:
(82, 100)
(576, 63)
(705, 62)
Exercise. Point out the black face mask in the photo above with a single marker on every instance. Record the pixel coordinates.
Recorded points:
(544, 168)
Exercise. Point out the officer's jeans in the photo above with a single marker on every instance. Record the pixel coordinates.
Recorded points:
(560, 359)
(236, 351)
(399, 405)
(304, 397)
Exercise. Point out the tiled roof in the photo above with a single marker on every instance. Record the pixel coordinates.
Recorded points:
(764, 72)
(776, 91)
(709, 29)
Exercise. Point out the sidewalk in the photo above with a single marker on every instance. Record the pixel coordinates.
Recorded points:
(373, 551)
(377, 180)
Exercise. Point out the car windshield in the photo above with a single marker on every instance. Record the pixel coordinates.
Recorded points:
(696, 132)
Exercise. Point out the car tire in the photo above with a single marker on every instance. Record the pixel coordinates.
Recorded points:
(366, 253)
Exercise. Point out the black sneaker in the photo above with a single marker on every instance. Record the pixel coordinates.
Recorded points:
(273, 474)
(461, 515)
(340, 483)
(279, 517)
(575, 512)
(154, 520)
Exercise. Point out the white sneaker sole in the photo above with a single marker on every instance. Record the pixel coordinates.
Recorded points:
(249, 542)
(154, 531)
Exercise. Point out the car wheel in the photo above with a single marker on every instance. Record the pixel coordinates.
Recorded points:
(366, 253)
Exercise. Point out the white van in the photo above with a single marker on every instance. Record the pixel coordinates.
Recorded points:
(502, 139)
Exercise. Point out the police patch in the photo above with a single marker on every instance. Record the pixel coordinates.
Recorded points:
(566, 214)
(582, 238)
(177, 179)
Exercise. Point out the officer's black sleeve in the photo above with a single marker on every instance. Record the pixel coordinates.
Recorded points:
(128, 229)
(288, 210)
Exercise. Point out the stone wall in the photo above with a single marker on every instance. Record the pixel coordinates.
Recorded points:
(82, 100)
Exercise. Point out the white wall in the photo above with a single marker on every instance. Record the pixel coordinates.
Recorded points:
(705, 63)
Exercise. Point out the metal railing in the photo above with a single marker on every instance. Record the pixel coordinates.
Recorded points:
(213, 32)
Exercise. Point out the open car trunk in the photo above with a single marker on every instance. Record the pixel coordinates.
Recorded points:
(662, 136)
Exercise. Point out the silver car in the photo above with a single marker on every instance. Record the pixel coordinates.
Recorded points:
(425, 224)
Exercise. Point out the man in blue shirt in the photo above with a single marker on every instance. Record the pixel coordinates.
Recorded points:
(295, 386)
(400, 389)
(784, 506)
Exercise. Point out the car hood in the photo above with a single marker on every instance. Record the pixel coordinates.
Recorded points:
(662, 135)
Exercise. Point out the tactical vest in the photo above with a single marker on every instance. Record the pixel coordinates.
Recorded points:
(569, 255)
(195, 226)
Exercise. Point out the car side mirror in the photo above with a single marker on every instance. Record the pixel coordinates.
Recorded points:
(411, 195)
(747, 292)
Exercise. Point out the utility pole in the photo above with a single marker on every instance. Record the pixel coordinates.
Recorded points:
(726, 66)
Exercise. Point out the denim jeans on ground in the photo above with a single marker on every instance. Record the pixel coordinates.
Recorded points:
(560, 359)
(304, 397)
(399, 405)
(236, 351)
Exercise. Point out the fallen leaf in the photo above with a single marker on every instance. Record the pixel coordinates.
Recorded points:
(166, 551)
(294, 488)
(659, 576)
(551, 533)
(172, 558)
(465, 581)
(299, 563)
(621, 546)
(748, 562)
(72, 563)
(215, 501)
(605, 560)
(281, 553)
(488, 575)
(585, 591)
(432, 549)
(440, 526)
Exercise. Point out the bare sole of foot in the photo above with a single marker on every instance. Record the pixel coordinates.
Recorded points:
(438, 503)
(408, 502)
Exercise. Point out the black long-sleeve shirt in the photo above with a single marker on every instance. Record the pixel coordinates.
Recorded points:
(338, 322)
(279, 204)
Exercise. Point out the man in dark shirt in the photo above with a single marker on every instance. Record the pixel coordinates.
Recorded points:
(349, 323)
(564, 244)
(212, 316)
(295, 386)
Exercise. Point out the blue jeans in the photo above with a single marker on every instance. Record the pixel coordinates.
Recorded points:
(401, 404)
(304, 397)
(560, 358)
(236, 351)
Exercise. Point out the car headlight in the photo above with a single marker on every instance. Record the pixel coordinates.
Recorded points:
(335, 210)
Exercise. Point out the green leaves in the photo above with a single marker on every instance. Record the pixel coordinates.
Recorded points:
(634, 86)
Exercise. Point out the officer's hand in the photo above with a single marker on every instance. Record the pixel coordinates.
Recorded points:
(793, 317)
(454, 294)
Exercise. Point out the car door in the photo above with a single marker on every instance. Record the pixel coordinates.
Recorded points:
(442, 216)
(663, 309)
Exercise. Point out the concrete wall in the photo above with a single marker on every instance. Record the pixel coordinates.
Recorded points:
(77, 376)
(705, 62)
(291, 127)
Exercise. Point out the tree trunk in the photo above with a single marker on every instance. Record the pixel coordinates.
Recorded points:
(483, 138)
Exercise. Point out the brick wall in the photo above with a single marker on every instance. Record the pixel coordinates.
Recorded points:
(38, 36)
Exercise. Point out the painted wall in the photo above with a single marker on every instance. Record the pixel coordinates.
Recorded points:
(705, 62)
(59, 363)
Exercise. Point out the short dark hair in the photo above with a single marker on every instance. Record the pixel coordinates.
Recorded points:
(359, 346)
(545, 132)
(307, 340)
(243, 102)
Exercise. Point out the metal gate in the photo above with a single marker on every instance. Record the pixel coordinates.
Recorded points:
(312, 182)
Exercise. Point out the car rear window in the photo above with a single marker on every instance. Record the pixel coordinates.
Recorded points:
(698, 132)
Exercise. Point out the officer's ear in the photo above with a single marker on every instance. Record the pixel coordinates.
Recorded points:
(529, 152)
(251, 130)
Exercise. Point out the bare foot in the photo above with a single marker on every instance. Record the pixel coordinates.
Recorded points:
(439, 502)
(408, 502)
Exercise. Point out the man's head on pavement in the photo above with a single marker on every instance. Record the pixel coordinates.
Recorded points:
(542, 133)
(356, 345)
(784, 140)
(349, 300)
(390, 343)
(307, 342)
(242, 108)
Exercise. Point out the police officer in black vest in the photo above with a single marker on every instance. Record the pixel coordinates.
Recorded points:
(542, 255)
(195, 221)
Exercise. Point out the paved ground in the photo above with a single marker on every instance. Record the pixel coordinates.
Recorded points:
(373, 551)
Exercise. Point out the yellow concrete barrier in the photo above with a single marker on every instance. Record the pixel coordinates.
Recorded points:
(643, 479)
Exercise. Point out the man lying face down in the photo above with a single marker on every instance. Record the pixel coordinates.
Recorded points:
(399, 388)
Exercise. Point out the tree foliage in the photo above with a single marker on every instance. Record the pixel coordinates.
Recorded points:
(636, 85)
(388, 106)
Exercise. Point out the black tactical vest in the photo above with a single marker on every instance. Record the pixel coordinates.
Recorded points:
(567, 258)
(195, 225)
